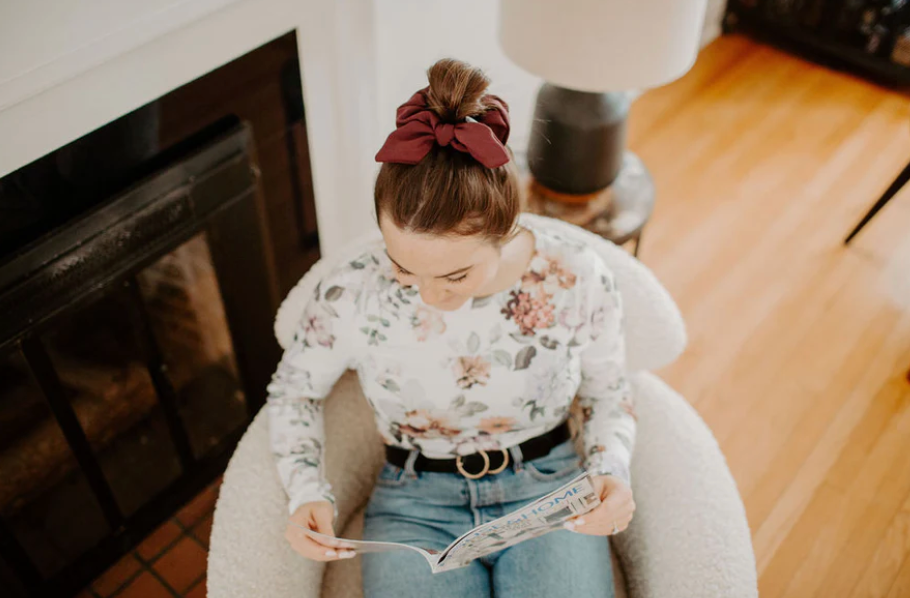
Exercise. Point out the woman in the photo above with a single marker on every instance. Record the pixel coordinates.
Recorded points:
(471, 334)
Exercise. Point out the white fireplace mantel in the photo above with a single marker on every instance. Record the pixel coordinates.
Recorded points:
(67, 68)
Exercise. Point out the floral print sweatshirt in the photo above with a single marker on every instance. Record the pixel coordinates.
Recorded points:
(499, 370)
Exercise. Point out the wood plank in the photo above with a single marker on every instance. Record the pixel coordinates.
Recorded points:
(901, 586)
(873, 494)
(782, 490)
(885, 566)
(802, 560)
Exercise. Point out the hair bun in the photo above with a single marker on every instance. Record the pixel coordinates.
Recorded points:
(456, 90)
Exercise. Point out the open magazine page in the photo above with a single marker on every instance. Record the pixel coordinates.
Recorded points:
(542, 516)
(362, 546)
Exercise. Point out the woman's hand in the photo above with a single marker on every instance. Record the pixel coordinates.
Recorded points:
(317, 516)
(612, 515)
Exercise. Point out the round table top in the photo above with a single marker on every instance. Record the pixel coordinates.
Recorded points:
(618, 213)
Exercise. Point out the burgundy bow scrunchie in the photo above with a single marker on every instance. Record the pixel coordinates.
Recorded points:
(419, 128)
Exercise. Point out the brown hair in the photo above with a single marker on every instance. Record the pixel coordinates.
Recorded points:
(449, 192)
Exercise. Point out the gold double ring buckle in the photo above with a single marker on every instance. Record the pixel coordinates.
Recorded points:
(459, 465)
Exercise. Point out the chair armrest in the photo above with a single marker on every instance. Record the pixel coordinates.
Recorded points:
(690, 537)
(248, 555)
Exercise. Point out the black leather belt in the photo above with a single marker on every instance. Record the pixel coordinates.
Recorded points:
(482, 463)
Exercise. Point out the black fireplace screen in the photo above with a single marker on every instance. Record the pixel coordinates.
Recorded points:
(135, 345)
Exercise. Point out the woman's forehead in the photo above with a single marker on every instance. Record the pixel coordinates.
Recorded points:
(431, 255)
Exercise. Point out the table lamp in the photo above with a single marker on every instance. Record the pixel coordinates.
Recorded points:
(591, 53)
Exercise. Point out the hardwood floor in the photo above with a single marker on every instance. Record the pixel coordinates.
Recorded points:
(799, 346)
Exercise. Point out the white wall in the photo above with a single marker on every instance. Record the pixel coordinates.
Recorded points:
(412, 34)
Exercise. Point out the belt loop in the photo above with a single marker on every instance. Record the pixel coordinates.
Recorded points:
(409, 464)
(517, 458)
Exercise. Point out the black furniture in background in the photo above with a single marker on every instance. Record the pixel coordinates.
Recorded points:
(871, 37)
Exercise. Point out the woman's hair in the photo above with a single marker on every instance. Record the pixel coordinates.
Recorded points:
(448, 192)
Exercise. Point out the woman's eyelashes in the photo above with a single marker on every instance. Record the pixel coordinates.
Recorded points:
(405, 273)
(402, 272)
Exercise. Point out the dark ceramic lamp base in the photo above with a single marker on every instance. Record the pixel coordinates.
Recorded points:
(577, 141)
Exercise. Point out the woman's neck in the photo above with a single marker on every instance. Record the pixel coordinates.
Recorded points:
(514, 261)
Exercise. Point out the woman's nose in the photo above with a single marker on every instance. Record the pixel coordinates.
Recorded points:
(430, 294)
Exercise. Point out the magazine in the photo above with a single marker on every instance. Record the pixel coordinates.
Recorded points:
(540, 517)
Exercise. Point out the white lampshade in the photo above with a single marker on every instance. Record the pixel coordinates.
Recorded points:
(602, 45)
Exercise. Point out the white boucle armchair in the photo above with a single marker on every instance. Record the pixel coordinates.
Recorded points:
(689, 537)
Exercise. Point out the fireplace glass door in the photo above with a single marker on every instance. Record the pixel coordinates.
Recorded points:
(135, 348)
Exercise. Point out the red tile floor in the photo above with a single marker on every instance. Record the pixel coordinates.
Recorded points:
(170, 563)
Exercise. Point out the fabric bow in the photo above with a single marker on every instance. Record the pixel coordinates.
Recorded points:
(419, 128)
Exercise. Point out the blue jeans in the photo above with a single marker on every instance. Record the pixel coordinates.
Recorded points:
(433, 509)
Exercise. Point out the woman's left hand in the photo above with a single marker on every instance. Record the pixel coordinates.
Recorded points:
(612, 515)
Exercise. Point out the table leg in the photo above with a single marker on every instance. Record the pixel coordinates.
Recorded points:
(899, 182)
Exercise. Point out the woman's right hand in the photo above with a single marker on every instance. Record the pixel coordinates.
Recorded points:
(317, 516)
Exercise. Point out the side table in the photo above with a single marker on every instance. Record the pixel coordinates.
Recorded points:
(619, 213)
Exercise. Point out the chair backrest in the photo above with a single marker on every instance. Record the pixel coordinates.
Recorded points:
(655, 333)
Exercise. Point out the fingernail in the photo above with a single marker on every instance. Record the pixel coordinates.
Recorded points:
(569, 525)
(579, 521)
(347, 555)
(331, 553)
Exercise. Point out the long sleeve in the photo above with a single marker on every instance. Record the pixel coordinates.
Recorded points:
(605, 394)
(309, 368)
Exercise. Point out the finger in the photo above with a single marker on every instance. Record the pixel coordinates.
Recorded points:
(325, 543)
(295, 534)
(619, 516)
(603, 514)
(331, 542)
(321, 521)
(601, 525)
(617, 506)
(324, 518)
(311, 549)
(337, 544)
(617, 500)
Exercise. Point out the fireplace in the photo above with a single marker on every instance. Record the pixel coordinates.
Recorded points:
(140, 268)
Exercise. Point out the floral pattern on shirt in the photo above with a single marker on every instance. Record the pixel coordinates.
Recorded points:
(496, 425)
(471, 370)
(546, 275)
(317, 329)
(503, 369)
(529, 312)
(420, 423)
(427, 323)
(531, 307)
